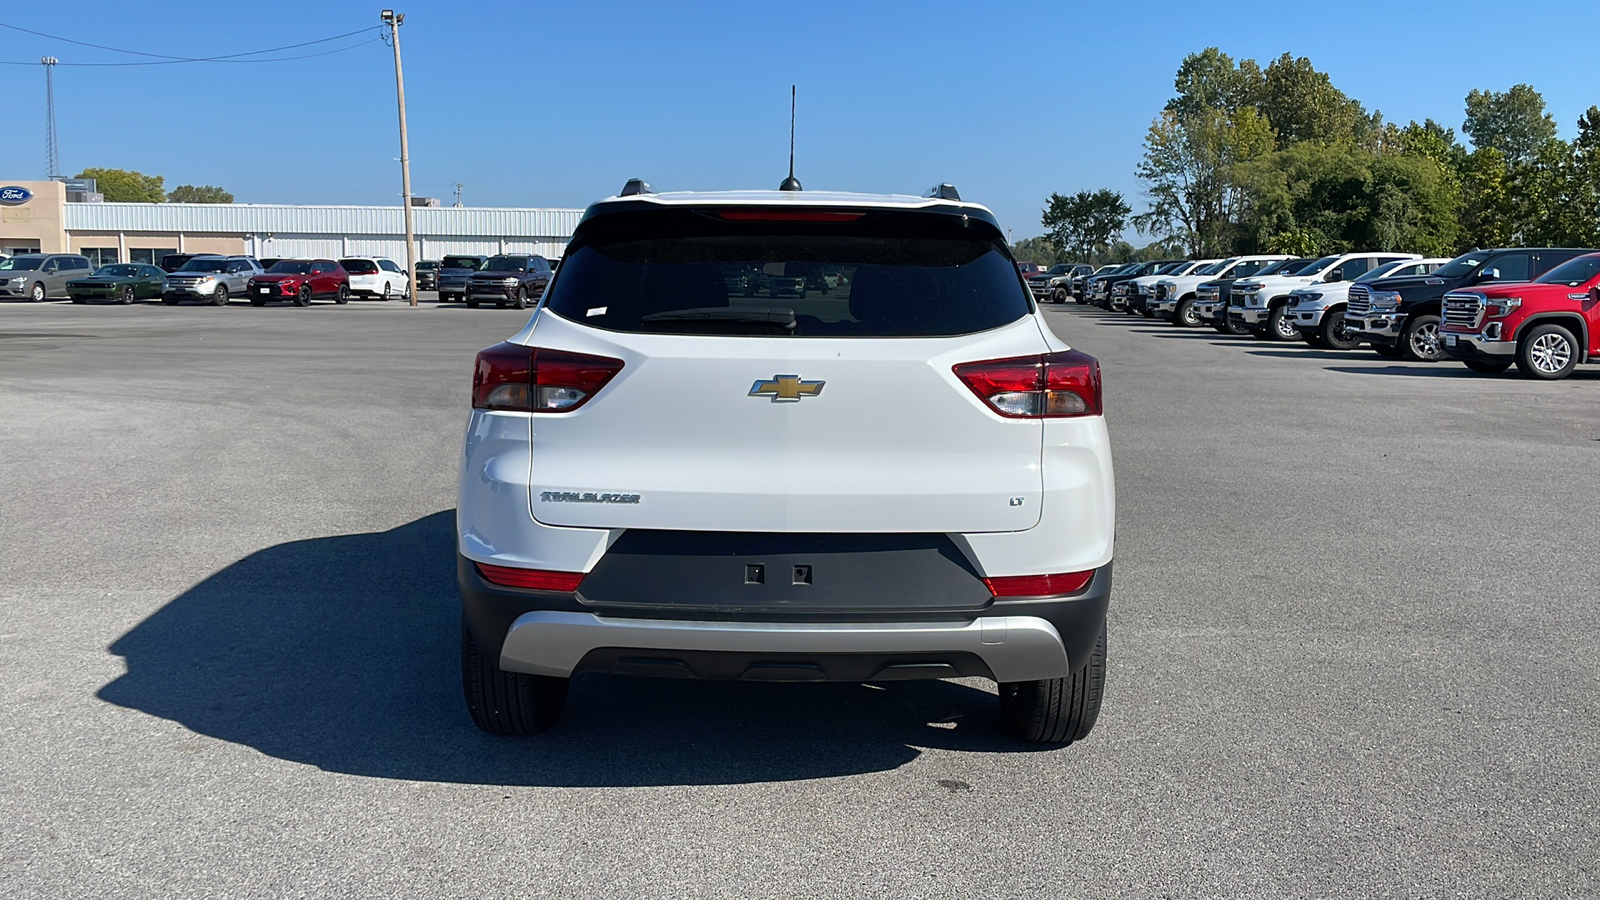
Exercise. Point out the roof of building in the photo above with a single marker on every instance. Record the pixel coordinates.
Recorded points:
(259, 218)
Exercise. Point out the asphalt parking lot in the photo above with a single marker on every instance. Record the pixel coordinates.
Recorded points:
(1353, 645)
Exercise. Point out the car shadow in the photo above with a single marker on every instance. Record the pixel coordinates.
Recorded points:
(1428, 370)
(1308, 353)
(342, 653)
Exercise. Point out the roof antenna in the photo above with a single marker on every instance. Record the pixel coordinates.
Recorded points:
(791, 183)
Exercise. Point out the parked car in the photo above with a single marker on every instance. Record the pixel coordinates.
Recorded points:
(1060, 287)
(1402, 317)
(41, 276)
(268, 262)
(932, 518)
(1080, 283)
(376, 276)
(454, 270)
(1146, 289)
(1175, 296)
(1211, 298)
(1260, 305)
(1039, 282)
(1029, 269)
(428, 274)
(210, 279)
(1547, 327)
(119, 282)
(1318, 309)
(300, 281)
(1114, 299)
(511, 280)
(172, 262)
(1096, 290)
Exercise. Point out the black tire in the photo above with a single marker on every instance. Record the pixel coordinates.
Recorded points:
(342, 296)
(1059, 295)
(1279, 328)
(509, 703)
(302, 297)
(1183, 315)
(1484, 367)
(38, 294)
(1334, 334)
(126, 296)
(521, 301)
(1226, 326)
(1420, 340)
(220, 296)
(1547, 352)
(385, 295)
(1057, 710)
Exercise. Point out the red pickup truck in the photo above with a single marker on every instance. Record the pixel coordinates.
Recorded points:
(1546, 327)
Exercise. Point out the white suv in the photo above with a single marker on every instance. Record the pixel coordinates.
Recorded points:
(907, 478)
(374, 276)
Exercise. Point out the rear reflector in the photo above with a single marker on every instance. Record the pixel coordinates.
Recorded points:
(1038, 585)
(535, 379)
(532, 579)
(788, 215)
(1049, 386)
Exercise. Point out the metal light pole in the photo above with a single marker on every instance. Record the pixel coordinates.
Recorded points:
(394, 21)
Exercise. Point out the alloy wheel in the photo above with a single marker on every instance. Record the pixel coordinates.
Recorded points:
(1550, 353)
(1425, 341)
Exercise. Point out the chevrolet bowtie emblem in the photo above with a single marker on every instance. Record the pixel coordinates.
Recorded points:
(786, 388)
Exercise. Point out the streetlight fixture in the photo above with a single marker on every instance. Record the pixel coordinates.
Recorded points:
(394, 21)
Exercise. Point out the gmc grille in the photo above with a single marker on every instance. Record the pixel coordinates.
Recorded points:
(1463, 309)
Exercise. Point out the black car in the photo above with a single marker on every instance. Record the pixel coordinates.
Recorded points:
(428, 274)
(515, 280)
(451, 278)
(1401, 316)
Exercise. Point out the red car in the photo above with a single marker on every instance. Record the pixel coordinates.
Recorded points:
(1546, 327)
(300, 281)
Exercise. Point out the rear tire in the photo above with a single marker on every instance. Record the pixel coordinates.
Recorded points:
(343, 295)
(385, 295)
(509, 703)
(1057, 710)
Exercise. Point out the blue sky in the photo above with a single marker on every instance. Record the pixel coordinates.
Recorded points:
(554, 104)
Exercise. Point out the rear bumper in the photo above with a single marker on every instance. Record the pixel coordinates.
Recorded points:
(547, 633)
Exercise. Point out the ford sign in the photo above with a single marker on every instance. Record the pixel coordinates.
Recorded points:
(15, 196)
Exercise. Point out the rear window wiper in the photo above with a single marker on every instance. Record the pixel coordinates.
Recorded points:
(776, 318)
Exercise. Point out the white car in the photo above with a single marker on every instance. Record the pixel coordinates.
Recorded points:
(1142, 291)
(907, 478)
(1261, 305)
(374, 276)
(1318, 309)
(1175, 297)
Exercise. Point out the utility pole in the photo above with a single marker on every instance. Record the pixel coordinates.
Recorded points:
(459, 186)
(52, 151)
(394, 21)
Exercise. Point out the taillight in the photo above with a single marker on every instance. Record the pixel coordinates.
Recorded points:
(1049, 386)
(1038, 585)
(536, 379)
(532, 579)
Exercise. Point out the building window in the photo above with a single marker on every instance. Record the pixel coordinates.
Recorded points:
(19, 251)
(148, 256)
(101, 256)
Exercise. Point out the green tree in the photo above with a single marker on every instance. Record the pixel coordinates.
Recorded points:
(1041, 250)
(123, 186)
(188, 193)
(1211, 80)
(1413, 204)
(1303, 105)
(1085, 223)
(1514, 122)
(1189, 169)
(1487, 211)
(1309, 197)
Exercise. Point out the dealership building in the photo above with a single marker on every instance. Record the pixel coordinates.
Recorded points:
(61, 217)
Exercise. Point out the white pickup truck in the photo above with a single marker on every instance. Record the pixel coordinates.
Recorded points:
(1318, 309)
(1175, 296)
(1261, 305)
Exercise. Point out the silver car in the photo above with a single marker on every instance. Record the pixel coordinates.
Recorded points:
(210, 279)
(41, 276)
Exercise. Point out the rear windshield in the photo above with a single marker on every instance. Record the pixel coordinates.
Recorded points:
(359, 266)
(291, 267)
(791, 285)
(1573, 272)
(460, 262)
